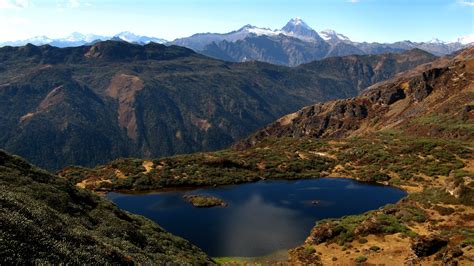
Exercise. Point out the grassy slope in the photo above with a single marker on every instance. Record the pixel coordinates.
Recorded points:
(44, 219)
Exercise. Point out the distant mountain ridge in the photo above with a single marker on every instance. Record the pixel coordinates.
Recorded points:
(297, 43)
(294, 44)
(77, 39)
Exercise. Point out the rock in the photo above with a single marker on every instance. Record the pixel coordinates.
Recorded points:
(390, 210)
(428, 245)
(323, 233)
(450, 255)
(369, 226)
(304, 256)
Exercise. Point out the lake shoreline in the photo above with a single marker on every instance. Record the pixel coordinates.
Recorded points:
(260, 217)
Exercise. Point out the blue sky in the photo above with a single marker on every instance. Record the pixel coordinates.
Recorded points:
(360, 20)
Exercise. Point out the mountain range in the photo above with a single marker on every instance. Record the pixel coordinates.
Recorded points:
(90, 104)
(294, 44)
(297, 43)
(77, 39)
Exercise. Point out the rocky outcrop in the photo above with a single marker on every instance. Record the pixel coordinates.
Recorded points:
(428, 245)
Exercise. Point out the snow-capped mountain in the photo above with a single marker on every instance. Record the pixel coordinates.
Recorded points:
(295, 28)
(259, 31)
(78, 39)
(333, 37)
(198, 41)
(298, 43)
(295, 43)
(37, 40)
(134, 38)
(298, 28)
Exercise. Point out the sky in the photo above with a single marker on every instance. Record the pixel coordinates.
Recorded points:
(360, 20)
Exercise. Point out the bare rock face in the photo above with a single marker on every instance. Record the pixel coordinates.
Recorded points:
(428, 245)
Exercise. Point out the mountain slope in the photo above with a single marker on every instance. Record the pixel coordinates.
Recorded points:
(91, 104)
(426, 101)
(46, 220)
(280, 50)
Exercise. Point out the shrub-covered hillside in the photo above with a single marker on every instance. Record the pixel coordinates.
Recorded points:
(44, 219)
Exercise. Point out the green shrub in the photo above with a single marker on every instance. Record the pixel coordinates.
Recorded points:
(374, 248)
(361, 259)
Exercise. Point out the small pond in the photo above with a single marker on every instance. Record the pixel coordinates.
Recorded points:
(261, 217)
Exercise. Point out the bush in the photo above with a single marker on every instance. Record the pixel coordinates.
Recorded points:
(374, 248)
(361, 259)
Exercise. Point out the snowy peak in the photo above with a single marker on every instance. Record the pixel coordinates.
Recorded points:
(134, 38)
(127, 36)
(332, 36)
(258, 31)
(79, 37)
(297, 22)
(436, 41)
(296, 25)
(298, 28)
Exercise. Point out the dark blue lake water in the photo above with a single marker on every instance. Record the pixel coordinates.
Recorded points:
(261, 217)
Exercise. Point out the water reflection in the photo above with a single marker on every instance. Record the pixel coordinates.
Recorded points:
(261, 217)
(272, 227)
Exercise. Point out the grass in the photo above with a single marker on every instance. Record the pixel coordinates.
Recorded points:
(278, 256)
(385, 157)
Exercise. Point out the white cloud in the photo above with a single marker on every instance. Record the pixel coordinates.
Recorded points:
(466, 2)
(4, 4)
(14, 28)
(74, 3)
(18, 21)
(64, 4)
(353, 1)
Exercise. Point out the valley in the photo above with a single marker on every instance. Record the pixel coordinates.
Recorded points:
(353, 138)
(91, 104)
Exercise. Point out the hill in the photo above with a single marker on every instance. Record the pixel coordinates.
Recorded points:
(46, 220)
